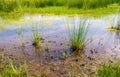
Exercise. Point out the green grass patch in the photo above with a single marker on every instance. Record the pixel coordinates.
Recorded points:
(15, 8)
(10, 5)
(60, 10)
(69, 11)
(109, 70)
(11, 70)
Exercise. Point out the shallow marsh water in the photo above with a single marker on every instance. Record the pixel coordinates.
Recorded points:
(102, 44)
(54, 30)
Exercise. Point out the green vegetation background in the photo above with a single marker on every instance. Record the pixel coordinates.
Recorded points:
(15, 8)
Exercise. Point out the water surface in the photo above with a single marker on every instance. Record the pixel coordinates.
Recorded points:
(53, 29)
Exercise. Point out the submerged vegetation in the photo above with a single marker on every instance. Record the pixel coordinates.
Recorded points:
(77, 35)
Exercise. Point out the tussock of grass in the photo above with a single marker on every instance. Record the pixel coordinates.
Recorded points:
(36, 38)
(77, 35)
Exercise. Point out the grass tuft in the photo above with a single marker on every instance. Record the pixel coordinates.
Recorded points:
(10, 70)
(36, 38)
(77, 35)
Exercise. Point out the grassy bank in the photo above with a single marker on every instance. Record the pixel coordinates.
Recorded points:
(60, 11)
(71, 11)
(16, 8)
(10, 5)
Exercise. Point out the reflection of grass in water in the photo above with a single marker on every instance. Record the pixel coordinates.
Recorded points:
(77, 35)
(109, 70)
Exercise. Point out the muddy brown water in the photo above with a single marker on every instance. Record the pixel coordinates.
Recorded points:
(102, 43)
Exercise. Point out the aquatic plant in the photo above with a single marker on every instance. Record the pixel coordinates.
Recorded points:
(109, 70)
(36, 38)
(10, 70)
(77, 35)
